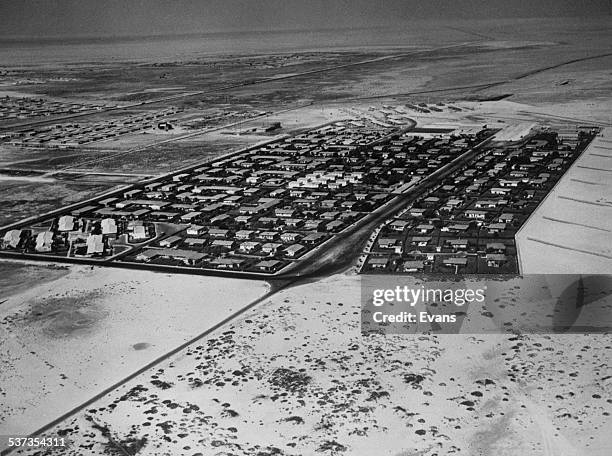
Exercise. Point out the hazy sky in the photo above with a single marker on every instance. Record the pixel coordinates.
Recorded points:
(39, 18)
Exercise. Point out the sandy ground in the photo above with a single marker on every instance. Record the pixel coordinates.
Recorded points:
(68, 333)
(577, 112)
(305, 116)
(571, 230)
(23, 198)
(295, 377)
(514, 132)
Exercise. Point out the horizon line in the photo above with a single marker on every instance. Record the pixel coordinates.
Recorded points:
(135, 36)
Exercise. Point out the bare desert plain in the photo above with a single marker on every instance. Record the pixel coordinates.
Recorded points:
(295, 376)
(70, 331)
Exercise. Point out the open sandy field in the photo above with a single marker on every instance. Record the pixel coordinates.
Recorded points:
(294, 376)
(67, 333)
(21, 198)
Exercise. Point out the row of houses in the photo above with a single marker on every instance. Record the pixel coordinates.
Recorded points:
(75, 134)
(13, 108)
(69, 235)
(234, 212)
(467, 223)
(190, 258)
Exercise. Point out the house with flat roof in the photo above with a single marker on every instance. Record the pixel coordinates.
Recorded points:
(156, 205)
(509, 182)
(189, 216)
(228, 263)
(170, 241)
(294, 250)
(314, 224)
(313, 238)
(334, 226)
(249, 246)
(196, 230)
(95, 245)
(189, 257)
(269, 235)
(496, 247)
(457, 228)
(195, 242)
(377, 262)
(139, 233)
(455, 261)
(496, 260)
(44, 241)
(109, 226)
(269, 265)
(329, 215)
(500, 191)
(485, 204)
(11, 239)
(219, 219)
(495, 228)
(66, 223)
(284, 212)
(421, 241)
(270, 248)
(243, 219)
(108, 201)
(475, 214)
(290, 236)
(424, 228)
(458, 244)
(244, 234)
(228, 244)
(399, 225)
(413, 266)
(294, 222)
(218, 233)
(389, 243)
(268, 221)
(165, 216)
(432, 201)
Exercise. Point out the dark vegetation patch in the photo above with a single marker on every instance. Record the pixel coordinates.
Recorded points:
(290, 380)
(68, 315)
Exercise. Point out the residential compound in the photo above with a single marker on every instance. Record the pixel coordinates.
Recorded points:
(16, 108)
(77, 134)
(256, 210)
(468, 221)
(265, 208)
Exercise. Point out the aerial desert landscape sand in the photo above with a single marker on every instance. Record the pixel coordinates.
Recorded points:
(76, 330)
(135, 362)
(294, 376)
